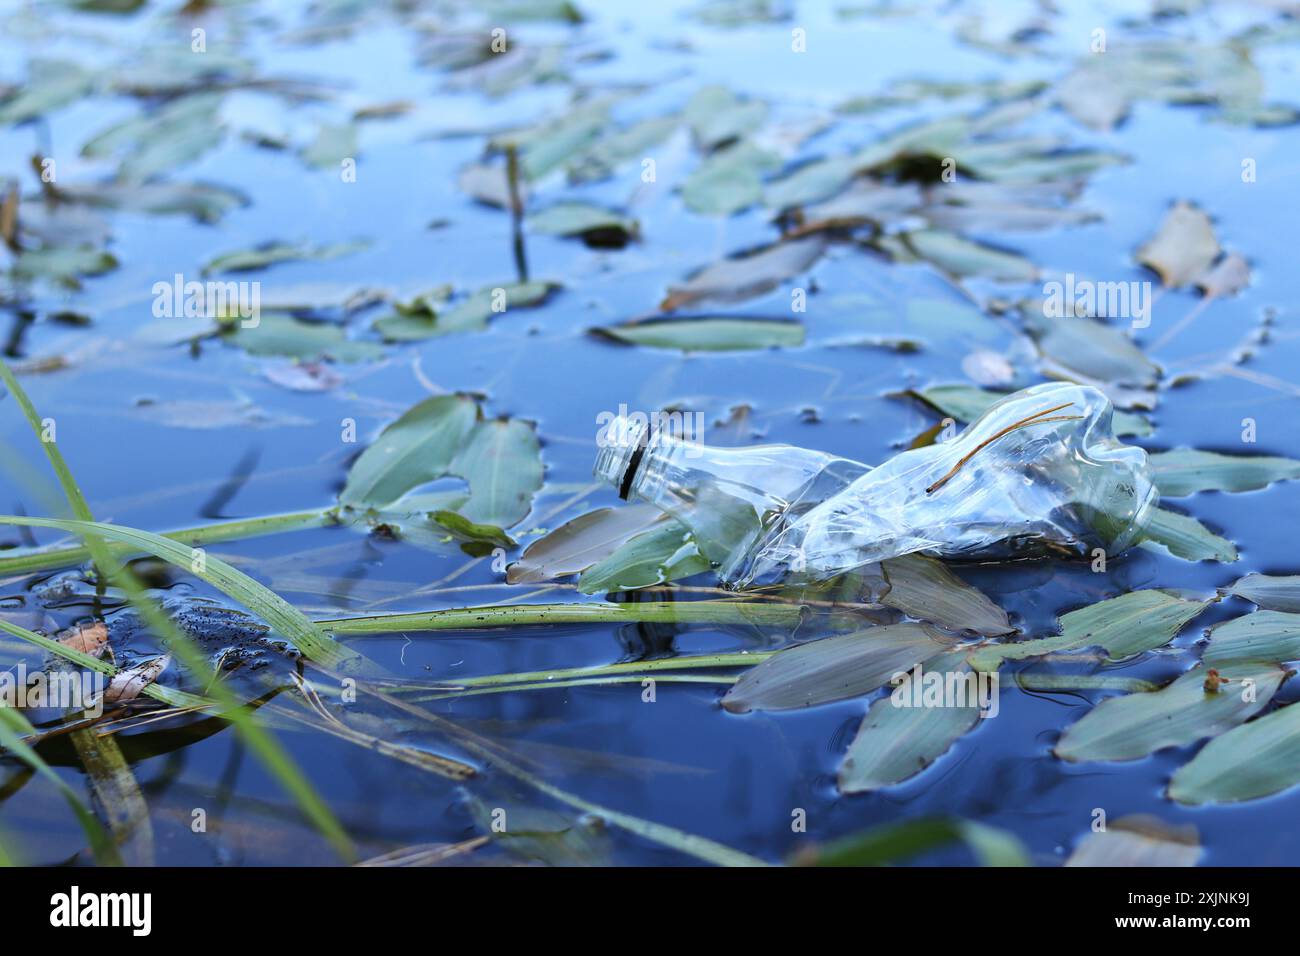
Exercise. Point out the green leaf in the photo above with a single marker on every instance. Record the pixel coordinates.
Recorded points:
(833, 668)
(708, 334)
(1274, 592)
(271, 253)
(1133, 726)
(1185, 537)
(473, 313)
(63, 265)
(1254, 760)
(334, 143)
(717, 116)
(1264, 636)
(748, 275)
(924, 588)
(415, 449)
(664, 553)
(1138, 840)
(897, 742)
(962, 257)
(276, 334)
(1084, 346)
(594, 223)
(813, 182)
(1185, 471)
(620, 146)
(50, 85)
(178, 133)
(1122, 626)
(893, 843)
(204, 202)
(581, 542)
(501, 461)
(728, 181)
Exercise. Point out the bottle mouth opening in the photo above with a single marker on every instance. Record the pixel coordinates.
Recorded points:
(621, 453)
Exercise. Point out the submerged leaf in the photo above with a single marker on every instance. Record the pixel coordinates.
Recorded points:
(1133, 726)
(833, 668)
(924, 588)
(666, 552)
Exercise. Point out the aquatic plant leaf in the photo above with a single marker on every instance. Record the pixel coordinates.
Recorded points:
(204, 202)
(963, 257)
(1228, 276)
(63, 266)
(1185, 537)
(489, 184)
(1183, 247)
(617, 147)
(334, 143)
(1264, 636)
(1138, 840)
(1094, 98)
(1185, 471)
(417, 448)
(666, 552)
(1257, 759)
(536, 834)
(50, 85)
(1122, 626)
(966, 403)
(1135, 725)
(729, 180)
(865, 202)
(473, 313)
(707, 334)
(501, 462)
(746, 276)
(271, 253)
(924, 588)
(286, 336)
(717, 116)
(580, 542)
(599, 225)
(895, 743)
(200, 414)
(813, 182)
(892, 843)
(1272, 592)
(1085, 347)
(833, 668)
(178, 133)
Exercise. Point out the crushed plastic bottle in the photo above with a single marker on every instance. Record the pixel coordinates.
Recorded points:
(1040, 473)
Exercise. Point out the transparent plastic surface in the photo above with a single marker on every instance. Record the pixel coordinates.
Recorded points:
(1039, 473)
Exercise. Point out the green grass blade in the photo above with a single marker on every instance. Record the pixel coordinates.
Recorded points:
(13, 727)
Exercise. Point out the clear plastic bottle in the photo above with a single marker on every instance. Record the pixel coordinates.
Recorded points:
(1039, 473)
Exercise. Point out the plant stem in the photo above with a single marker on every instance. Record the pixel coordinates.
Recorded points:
(26, 560)
(514, 615)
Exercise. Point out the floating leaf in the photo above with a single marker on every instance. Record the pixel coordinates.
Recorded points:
(50, 85)
(178, 133)
(1138, 840)
(271, 253)
(1254, 760)
(1183, 248)
(666, 552)
(417, 448)
(962, 257)
(1094, 98)
(1185, 537)
(1228, 276)
(708, 334)
(897, 742)
(598, 226)
(334, 143)
(283, 335)
(1133, 726)
(748, 275)
(833, 668)
(813, 182)
(63, 265)
(1122, 626)
(489, 184)
(925, 589)
(1274, 592)
(1265, 636)
(473, 313)
(194, 413)
(728, 181)
(617, 147)
(501, 462)
(866, 202)
(204, 202)
(581, 542)
(1185, 471)
(717, 116)
(1086, 347)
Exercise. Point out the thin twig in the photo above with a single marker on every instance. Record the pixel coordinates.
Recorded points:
(1034, 419)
